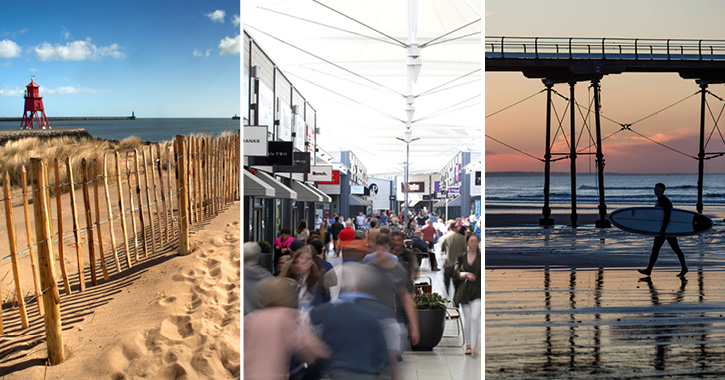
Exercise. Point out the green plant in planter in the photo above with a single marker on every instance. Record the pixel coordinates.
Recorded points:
(266, 247)
(430, 301)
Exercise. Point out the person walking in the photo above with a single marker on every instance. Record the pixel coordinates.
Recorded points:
(454, 245)
(302, 232)
(468, 294)
(664, 202)
(335, 229)
(276, 333)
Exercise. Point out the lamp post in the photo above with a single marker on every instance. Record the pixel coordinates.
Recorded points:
(407, 165)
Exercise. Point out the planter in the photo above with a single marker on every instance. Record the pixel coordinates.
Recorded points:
(431, 323)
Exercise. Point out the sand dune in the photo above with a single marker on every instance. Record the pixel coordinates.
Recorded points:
(177, 318)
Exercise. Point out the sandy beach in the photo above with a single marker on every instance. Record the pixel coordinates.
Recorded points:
(566, 302)
(167, 317)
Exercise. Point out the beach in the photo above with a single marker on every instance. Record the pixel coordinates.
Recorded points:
(169, 317)
(566, 302)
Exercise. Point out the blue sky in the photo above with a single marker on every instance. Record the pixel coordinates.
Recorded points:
(109, 58)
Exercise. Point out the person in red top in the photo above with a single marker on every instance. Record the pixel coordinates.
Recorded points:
(281, 245)
(429, 234)
(347, 235)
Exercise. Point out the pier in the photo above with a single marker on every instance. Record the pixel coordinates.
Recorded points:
(66, 118)
(557, 60)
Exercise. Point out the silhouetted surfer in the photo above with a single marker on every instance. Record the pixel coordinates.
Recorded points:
(664, 202)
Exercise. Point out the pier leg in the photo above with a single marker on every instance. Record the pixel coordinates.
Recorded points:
(602, 222)
(546, 210)
(701, 153)
(572, 153)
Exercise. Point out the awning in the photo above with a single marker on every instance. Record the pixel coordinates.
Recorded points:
(357, 201)
(256, 187)
(304, 193)
(325, 198)
(282, 191)
(451, 203)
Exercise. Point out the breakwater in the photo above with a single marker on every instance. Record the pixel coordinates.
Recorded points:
(44, 134)
(66, 118)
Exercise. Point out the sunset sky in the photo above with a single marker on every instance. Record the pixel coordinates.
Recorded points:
(625, 97)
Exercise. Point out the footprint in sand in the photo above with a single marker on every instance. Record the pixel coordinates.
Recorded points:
(167, 301)
(176, 327)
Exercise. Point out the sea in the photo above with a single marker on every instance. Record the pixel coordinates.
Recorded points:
(519, 192)
(148, 129)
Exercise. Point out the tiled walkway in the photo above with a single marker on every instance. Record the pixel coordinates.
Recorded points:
(443, 362)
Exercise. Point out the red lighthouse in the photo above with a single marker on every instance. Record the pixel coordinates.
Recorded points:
(34, 110)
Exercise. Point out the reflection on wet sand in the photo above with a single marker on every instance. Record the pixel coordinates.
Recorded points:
(587, 323)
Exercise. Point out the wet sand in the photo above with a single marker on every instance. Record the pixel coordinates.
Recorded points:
(568, 303)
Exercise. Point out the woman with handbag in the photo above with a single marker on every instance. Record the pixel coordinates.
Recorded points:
(468, 294)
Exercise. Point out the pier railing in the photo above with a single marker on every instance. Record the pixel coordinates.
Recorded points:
(604, 48)
(154, 194)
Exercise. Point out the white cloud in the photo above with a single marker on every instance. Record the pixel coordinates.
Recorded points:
(229, 46)
(15, 91)
(216, 16)
(77, 51)
(198, 53)
(236, 20)
(9, 49)
(70, 90)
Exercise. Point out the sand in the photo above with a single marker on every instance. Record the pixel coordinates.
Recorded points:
(169, 317)
(566, 302)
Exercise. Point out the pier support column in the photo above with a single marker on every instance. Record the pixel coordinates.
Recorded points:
(572, 153)
(546, 210)
(701, 153)
(602, 222)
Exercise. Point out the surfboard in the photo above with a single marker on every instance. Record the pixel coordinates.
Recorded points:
(648, 221)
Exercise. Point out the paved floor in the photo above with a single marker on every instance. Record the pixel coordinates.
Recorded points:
(447, 360)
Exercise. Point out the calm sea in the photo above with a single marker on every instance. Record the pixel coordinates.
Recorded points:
(147, 129)
(526, 190)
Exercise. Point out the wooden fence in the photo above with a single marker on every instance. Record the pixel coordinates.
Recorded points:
(155, 194)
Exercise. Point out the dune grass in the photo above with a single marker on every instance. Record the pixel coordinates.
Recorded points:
(15, 155)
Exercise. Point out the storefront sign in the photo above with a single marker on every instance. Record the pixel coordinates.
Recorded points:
(454, 190)
(320, 173)
(413, 187)
(300, 164)
(357, 189)
(278, 153)
(255, 141)
(266, 105)
(334, 181)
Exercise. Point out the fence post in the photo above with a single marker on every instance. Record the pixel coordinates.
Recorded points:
(76, 226)
(133, 212)
(98, 220)
(148, 199)
(51, 298)
(89, 222)
(144, 246)
(31, 252)
(122, 211)
(61, 248)
(183, 196)
(110, 212)
(163, 195)
(13, 249)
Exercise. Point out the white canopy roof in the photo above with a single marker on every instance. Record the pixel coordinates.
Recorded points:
(349, 61)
